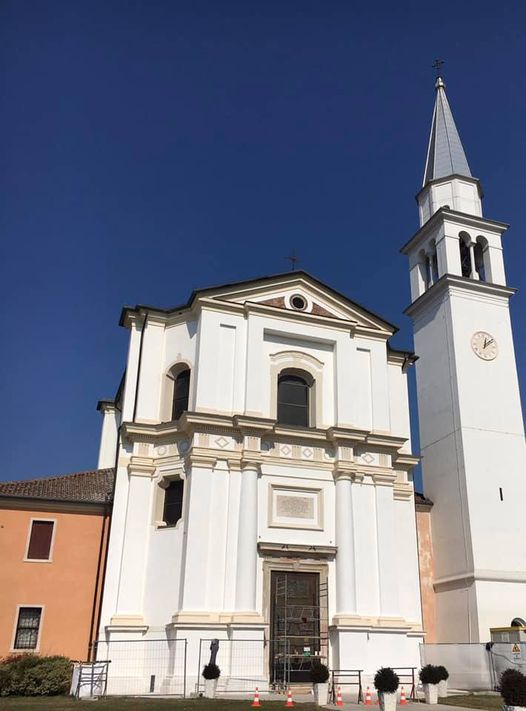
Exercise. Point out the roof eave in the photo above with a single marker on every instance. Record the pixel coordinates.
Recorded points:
(140, 310)
(446, 178)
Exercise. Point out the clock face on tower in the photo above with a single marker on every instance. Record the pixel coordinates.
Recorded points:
(484, 345)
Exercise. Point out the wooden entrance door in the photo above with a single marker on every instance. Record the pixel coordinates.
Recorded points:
(295, 625)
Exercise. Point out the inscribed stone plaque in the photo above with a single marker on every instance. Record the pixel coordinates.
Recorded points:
(295, 507)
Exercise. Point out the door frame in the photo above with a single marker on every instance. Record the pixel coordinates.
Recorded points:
(287, 565)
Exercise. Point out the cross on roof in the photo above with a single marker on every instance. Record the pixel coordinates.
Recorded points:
(293, 259)
(437, 64)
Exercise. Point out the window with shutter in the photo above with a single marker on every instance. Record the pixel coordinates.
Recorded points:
(27, 628)
(40, 540)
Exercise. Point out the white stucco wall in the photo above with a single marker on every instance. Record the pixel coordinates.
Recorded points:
(206, 576)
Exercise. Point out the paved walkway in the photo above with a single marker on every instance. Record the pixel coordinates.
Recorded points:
(411, 706)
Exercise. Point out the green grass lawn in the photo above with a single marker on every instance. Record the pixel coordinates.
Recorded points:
(65, 703)
(474, 701)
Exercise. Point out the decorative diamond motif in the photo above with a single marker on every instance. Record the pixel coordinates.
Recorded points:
(222, 442)
(368, 458)
(286, 450)
(307, 452)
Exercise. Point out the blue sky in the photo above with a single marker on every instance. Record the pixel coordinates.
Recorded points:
(149, 148)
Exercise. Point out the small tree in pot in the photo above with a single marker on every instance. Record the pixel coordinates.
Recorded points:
(319, 675)
(211, 674)
(386, 684)
(442, 684)
(430, 677)
(513, 690)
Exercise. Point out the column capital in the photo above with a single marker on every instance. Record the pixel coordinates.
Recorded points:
(250, 465)
(202, 461)
(343, 475)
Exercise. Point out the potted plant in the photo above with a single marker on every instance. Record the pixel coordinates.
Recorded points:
(442, 684)
(513, 690)
(386, 684)
(430, 676)
(319, 675)
(211, 673)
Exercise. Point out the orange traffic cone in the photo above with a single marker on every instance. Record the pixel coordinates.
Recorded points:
(403, 700)
(368, 700)
(339, 700)
(290, 702)
(255, 703)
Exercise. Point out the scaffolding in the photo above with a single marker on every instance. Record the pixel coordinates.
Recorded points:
(299, 627)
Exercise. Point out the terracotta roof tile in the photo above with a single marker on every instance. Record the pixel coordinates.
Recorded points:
(94, 487)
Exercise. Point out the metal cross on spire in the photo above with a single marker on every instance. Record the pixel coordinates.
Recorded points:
(437, 64)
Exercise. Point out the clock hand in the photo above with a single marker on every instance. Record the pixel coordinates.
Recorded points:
(489, 342)
(484, 346)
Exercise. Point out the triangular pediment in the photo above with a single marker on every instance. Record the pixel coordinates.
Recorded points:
(285, 291)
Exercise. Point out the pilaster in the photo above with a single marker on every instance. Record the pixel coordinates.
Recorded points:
(135, 541)
(246, 573)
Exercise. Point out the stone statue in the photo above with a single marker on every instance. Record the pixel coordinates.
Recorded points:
(214, 649)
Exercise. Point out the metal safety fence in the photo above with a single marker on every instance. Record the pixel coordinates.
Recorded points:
(476, 666)
(244, 664)
(144, 667)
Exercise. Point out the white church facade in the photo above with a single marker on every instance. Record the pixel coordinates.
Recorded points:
(264, 492)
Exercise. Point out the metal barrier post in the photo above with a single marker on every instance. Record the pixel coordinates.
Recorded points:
(184, 667)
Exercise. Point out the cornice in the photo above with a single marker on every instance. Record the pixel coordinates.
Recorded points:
(26, 503)
(248, 424)
(450, 283)
(303, 433)
(346, 435)
(127, 623)
(462, 219)
(374, 624)
(448, 179)
(405, 462)
(454, 582)
(296, 550)
(402, 491)
(141, 468)
(204, 438)
(199, 619)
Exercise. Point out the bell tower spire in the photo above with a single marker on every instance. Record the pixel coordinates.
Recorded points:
(447, 176)
(445, 153)
(471, 424)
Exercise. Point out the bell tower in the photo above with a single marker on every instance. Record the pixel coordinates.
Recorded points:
(471, 425)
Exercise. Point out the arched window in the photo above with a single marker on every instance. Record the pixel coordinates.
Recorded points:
(293, 400)
(478, 253)
(181, 391)
(173, 502)
(465, 258)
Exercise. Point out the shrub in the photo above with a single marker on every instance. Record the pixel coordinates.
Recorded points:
(444, 674)
(33, 675)
(430, 674)
(319, 673)
(513, 687)
(386, 681)
(211, 671)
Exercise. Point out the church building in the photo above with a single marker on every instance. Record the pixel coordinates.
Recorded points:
(264, 489)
